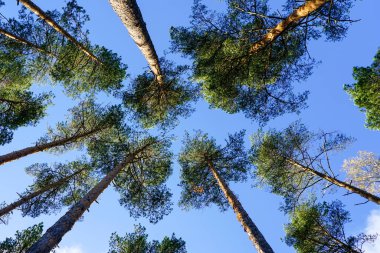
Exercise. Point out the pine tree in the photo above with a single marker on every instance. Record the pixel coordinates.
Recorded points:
(319, 228)
(137, 242)
(295, 161)
(23, 240)
(206, 170)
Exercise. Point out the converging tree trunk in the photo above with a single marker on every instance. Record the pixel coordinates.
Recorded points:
(23, 199)
(249, 226)
(41, 14)
(298, 14)
(39, 148)
(337, 182)
(130, 14)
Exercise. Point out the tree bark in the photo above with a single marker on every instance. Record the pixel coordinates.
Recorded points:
(55, 233)
(337, 182)
(298, 14)
(39, 148)
(41, 14)
(25, 42)
(130, 14)
(23, 199)
(254, 234)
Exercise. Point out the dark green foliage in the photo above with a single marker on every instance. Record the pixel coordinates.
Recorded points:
(273, 151)
(19, 108)
(55, 59)
(199, 187)
(366, 91)
(22, 241)
(257, 83)
(141, 182)
(319, 228)
(154, 103)
(137, 242)
(63, 195)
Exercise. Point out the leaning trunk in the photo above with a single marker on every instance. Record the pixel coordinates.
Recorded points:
(130, 14)
(338, 182)
(55, 233)
(298, 14)
(24, 199)
(39, 148)
(41, 14)
(254, 234)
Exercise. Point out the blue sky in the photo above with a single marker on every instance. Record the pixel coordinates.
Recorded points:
(208, 230)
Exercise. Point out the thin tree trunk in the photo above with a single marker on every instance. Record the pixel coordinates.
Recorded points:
(254, 234)
(298, 14)
(23, 199)
(55, 233)
(338, 182)
(41, 14)
(39, 148)
(25, 42)
(130, 14)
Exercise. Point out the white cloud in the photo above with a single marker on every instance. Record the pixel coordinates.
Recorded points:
(373, 227)
(72, 249)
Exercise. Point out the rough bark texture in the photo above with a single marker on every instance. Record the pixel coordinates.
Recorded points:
(23, 41)
(41, 14)
(23, 199)
(254, 234)
(130, 14)
(337, 182)
(298, 14)
(55, 233)
(38, 148)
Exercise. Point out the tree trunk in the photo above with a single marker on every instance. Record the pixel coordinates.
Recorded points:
(337, 182)
(25, 42)
(55, 233)
(254, 234)
(38, 148)
(130, 14)
(298, 14)
(41, 14)
(23, 199)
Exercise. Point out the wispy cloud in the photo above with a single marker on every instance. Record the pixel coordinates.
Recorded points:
(373, 227)
(71, 249)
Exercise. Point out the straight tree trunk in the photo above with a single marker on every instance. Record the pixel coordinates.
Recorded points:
(254, 234)
(23, 199)
(337, 182)
(303, 11)
(25, 42)
(41, 14)
(55, 233)
(39, 148)
(130, 14)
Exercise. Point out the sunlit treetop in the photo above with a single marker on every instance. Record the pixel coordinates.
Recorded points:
(320, 228)
(155, 103)
(257, 83)
(22, 240)
(47, 56)
(366, 91)
(199, 187)
(137, 242)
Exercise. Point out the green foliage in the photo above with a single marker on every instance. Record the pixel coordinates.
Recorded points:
(154, 103)
(19, 108)
(272, 154)
(137, 242)
(366, 91)
(65, 194)
(22, 241)
(199, 187)
(319, 228)
(141, 182)
(55, 59)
